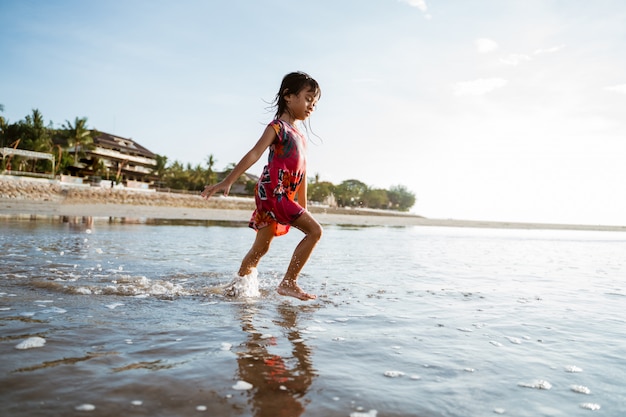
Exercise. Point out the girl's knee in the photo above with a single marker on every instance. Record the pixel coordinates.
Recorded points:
(316, 232)
(309, 226)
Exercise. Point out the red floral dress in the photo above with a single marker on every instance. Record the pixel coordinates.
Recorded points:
(276, 190)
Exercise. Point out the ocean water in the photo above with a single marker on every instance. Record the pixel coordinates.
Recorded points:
(126, 319)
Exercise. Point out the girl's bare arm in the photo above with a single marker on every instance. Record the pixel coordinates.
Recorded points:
(246, 162)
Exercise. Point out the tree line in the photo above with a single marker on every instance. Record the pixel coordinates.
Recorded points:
(69, 143)
(33, 134)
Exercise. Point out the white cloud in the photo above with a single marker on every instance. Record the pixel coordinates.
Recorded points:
(420, 4)
(548, 50)
(478, 87)
(485, 45)
(621, 88)
(515, 59)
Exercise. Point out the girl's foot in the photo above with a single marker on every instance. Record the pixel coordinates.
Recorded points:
(291, 289)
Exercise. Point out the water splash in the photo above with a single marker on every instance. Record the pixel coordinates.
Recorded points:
(246, 286)
(134, 286)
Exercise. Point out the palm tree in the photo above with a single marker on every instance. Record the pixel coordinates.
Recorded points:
(4, 124)
(211, 175)
(43, 136)
(160, 170)
(35, 136)
(178, 176)
(161, 165)
(63, 159)
(78, 136)
(197, 176)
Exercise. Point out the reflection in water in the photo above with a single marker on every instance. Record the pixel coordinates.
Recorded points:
(78, 223)
(279, 381)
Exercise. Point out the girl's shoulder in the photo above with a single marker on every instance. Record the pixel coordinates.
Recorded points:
(283, 128)
(280, 124)
(277, 126)
(276, 122)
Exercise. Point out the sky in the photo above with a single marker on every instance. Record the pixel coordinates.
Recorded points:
(504, 110)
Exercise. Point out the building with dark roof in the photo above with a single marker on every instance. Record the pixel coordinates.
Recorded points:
(119, 159)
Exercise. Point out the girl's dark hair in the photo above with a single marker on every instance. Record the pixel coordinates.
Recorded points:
(293, 83)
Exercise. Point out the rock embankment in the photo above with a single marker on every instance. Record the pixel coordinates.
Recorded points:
(29, 190)
(63, 194)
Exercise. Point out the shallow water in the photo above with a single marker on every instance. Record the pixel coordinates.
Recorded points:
(412, 321)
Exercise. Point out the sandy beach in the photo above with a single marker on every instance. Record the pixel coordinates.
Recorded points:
(32, 199)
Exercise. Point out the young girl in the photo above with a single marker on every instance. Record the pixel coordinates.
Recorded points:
(281, 193)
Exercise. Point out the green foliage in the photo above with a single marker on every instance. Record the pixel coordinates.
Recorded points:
(400, 198)
(376, 198)
(64, 160)
(161, 164)
(354, 193)
(4, 124)
(29, 134)
(10, 134)
(350, 193)
(179, 176)
(211, 175)
(4, 136)
(78, 136)
(320, 191)
(35, 136)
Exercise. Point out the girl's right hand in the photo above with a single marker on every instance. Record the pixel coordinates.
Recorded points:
(209, 190)
(246, 162)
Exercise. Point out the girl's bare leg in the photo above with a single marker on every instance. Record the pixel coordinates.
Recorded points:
(312, 234)
(259, 248)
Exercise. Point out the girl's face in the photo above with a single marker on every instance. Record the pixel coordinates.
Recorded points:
(301, 105)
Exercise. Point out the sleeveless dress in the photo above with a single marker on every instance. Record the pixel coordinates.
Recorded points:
(276, 190)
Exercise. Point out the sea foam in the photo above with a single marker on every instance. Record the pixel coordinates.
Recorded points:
(590, 406)
(538, 384)
(370, 413)
(581, 389)
(31, 342)
(242, 386)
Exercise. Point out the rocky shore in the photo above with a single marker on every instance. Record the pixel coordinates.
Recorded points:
(55, 192)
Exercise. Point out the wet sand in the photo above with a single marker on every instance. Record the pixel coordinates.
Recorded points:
(40, 209)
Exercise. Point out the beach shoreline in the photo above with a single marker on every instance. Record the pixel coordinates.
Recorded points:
(32, 200)
(38, 210)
